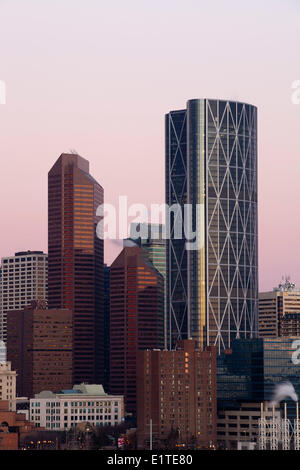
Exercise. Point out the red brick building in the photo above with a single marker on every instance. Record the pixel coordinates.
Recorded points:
(177, 391)
(136, 318)
(39, 346)
(13, 427)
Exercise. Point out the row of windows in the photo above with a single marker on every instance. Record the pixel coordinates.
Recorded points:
(80, 403)
(29, 258)
(57, 425)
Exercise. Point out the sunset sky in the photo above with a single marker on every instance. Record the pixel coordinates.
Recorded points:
(98, 76)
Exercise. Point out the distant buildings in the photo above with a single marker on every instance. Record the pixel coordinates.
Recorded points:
(8, 385)
(39, 347)
(251, 369)
(24, 279)
(279, 311)
(136, 318)
(83, 403)
(211, 164)
(176, 397)
(76, 271)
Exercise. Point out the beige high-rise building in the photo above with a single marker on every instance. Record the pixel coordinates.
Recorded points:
(24, 279)
(8, 385)
(279, 311)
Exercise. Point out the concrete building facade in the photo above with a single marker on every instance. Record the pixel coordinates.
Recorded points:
(8, 385)
(24, 279)
(2, 351)
(238, 428)
(83, 403)
(279, 311)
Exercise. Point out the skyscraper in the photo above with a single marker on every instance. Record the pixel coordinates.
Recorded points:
(106, 326)
(136, 318)
(211, 164)
(24, 279)
(76, 273)
(153, 243)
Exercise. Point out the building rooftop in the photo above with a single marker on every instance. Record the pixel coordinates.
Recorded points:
(82, 389)
(286, 286)
(86, 389)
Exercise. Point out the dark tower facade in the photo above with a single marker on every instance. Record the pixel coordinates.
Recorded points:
(106, 326)
(211, 164)
(39, 347)
(75, 261)
(136, 318)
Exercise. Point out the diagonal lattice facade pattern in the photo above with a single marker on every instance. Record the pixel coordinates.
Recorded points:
(176, 257)
(221, 277)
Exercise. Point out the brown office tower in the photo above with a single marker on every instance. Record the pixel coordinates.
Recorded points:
(75, 261)
(176, 398)
(39, 346)
(136, 318)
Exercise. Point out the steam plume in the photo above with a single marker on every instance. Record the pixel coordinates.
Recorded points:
(282, 391)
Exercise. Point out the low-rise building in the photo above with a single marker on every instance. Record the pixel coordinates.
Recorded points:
(14, 427)
(84, 403)
(238, 428)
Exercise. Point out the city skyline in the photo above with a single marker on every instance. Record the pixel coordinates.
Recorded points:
(149, 270)
(53, 109)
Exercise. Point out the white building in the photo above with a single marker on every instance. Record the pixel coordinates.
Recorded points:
(8, 385)
(2, 351)
(24, 279)
(84, 403)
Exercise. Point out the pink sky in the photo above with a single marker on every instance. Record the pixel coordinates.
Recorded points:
(99, 76)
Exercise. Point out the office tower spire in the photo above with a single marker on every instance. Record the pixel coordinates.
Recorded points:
(76, 272)
(211, 163)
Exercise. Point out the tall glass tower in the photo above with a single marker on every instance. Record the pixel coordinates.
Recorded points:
(211, 164)
(75, 261)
